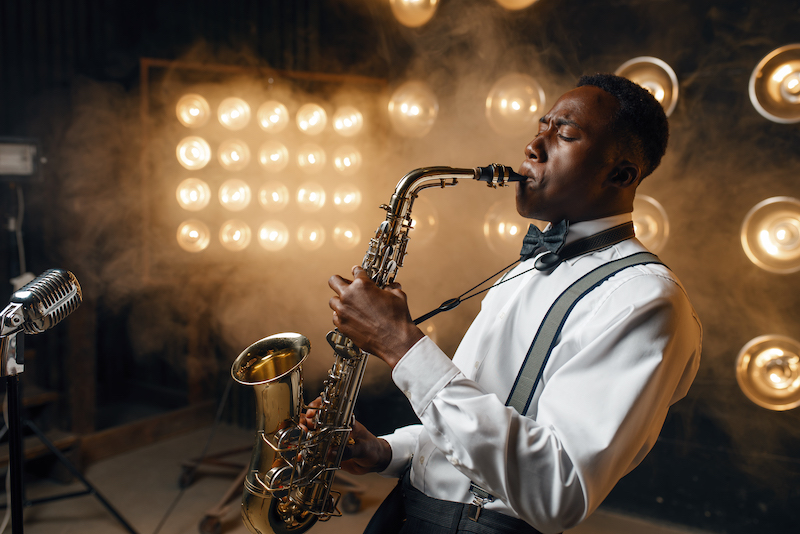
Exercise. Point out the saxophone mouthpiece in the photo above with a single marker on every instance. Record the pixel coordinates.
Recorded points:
(496, 174)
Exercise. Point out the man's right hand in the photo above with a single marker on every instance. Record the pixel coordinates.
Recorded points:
(364, 452)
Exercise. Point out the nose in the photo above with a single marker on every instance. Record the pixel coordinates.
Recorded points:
(536, 149)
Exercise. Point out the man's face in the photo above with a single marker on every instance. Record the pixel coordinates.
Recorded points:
(569, 161)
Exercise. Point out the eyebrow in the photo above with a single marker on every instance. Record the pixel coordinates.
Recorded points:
(562, 122)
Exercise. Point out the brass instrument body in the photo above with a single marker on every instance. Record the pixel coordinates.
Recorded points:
(289, 483)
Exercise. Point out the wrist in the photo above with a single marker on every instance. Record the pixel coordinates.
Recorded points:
(384, 455)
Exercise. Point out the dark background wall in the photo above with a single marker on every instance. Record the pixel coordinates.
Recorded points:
(70, 76)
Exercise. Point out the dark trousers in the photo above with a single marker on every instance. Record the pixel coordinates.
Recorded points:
(426, 515)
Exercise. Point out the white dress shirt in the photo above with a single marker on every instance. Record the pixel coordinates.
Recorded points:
(628, 350)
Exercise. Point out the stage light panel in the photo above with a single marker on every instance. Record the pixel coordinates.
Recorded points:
(272, 116)
(193, 153)
(193, 235)
(234, 235)
(273, 156)
(311, 119)
(413, 13)
(656, 76)
(347, 198)
(347, 160)
(311, 158)
(310, 235)
(310, 196)
(774, 86)
(346, 235)
(233, 113)
(650, 223)
(233, 154)
(234, 194)
(273, 196)
(273, 236)
(193, 194)
(347, 121)
(193, 110)
(504, 228)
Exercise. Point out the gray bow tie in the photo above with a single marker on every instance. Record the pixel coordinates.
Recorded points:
(552, 239)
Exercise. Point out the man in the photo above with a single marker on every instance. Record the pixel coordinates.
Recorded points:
(628, 349)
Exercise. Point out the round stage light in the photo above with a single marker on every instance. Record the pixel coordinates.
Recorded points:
(513, 5)
(311, 158)
(273, 156)
(193, 194)
(310, 196)
(272, 116)
(273, 236)
(234, 194)
(347, 198)
(310, 236)
(311, 119)
(193, 235)
(768, 372)
(193, 153)
(413, 109)
(504, 228)
(413, 13)
(273, 196)
(656, 76)
(192, 111)
(775, 85)
(771, 234)
(234, 235)
(347, 160)
(233, 113)
(348, 121)
(233, 154)
(514, 105)
(346, 235)
(650, 223)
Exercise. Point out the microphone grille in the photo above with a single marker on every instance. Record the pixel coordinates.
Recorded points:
(48, 299)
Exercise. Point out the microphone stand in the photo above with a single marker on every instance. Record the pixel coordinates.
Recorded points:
(11, 366)
(15, 454)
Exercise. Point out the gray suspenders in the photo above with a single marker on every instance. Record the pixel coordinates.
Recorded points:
(532, 367)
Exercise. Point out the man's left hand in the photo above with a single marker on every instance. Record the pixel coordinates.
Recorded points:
(377, 320)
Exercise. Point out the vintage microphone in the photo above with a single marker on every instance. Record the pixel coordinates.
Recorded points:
(35, 307)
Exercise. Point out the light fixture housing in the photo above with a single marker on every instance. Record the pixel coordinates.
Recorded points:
(20, 159)
(656, 76)
(774, 87)
(771, 235)
(768, 372)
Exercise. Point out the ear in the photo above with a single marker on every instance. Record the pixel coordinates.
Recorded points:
(625, 174)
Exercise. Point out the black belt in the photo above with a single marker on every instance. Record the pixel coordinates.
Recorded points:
(459, 516)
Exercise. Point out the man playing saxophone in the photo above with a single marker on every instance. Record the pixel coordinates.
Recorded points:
(628, 349)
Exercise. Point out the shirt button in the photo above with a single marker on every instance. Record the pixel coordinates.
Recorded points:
(455, 462)
(477, 364)
(422, 459)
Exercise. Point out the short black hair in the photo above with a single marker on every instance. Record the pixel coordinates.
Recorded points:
(640, 121)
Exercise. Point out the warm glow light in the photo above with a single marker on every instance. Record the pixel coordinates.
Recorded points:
(771, 234)
(193, 235)
(310, 196)
(193, 194)
(347, 160)
(347, 121)
(234, 194)
(234, 235)
(656, 76)
(346, 235)
(413, 13)
(503, 228)
(233, 113)
(310, 236)
(233, 154)
(273, 156)
(273, 236)
(650, 223)
(347, 198)
(272, 116)
(513, 5)
(413, 109)
(192, 111)
(774, 87)
(512, 105)
(311, 119)
(273, 196)
(768, 372)
(193, 153)
(311, 158)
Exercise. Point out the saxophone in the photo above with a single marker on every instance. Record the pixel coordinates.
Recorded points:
(287, 487)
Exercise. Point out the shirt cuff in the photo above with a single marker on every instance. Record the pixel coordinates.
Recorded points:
(403, 445)
(422, 372)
